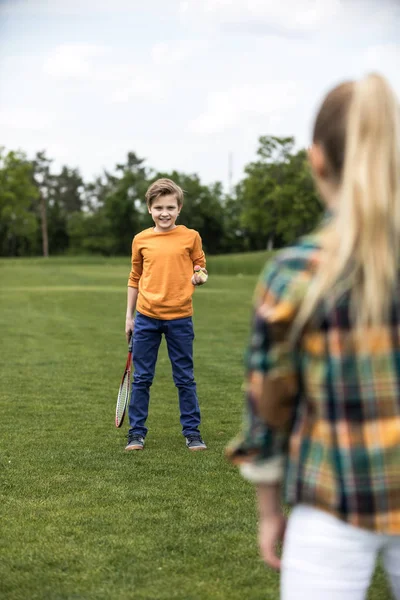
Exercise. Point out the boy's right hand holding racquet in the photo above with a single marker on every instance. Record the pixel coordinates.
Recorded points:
(200, 275)
(129, 328)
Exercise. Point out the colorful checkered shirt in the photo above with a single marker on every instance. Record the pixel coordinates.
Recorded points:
(343, 449)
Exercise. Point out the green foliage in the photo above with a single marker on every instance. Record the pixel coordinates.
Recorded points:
(64, 202)
(277, 195)
(114, 211)
(59, 197)
(273, 205)
(234, 237)
(124, 201)
(18, 224)
(90, 233)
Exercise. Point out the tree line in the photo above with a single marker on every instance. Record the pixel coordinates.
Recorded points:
(47, 213)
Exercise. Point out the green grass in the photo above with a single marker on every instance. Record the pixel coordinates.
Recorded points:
(249, 263)
(80, 519)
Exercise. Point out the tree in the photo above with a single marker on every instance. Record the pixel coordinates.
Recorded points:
(43, 180)
(234, 238)
(113, 210)
(298, 206)
(124, 202)
(68, 190)
(60, 196)
(277, 195)
(273, 204)
(18, 224)
(64, 201)
(89, 233)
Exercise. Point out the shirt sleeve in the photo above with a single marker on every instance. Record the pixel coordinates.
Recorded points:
(198, 256)
(137, 265)
(261, 447)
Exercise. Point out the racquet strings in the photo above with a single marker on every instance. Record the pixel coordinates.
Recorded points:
(123, 395)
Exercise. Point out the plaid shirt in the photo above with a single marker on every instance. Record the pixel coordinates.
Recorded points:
(342, 450)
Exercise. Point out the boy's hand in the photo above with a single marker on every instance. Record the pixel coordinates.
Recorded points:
(128, 328)
(200, 276)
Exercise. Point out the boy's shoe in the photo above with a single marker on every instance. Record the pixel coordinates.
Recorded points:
(194, 442)
(135, 442)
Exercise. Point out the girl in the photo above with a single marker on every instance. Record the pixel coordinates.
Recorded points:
(323, 366)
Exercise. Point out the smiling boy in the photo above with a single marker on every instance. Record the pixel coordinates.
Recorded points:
(160, 289)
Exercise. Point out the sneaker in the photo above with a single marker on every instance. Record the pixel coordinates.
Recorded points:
(194, 442)
(135, 442)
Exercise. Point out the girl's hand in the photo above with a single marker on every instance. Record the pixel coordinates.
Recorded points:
(271, 532)
(272, 522)
(200, 276)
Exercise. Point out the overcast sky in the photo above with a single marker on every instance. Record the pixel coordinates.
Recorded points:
(181, 83)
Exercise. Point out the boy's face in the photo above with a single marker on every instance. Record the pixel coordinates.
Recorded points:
(164, 212)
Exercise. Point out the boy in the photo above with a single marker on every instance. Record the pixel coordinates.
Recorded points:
(167, 262)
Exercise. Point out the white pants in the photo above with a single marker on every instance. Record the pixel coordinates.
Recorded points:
(327, 559)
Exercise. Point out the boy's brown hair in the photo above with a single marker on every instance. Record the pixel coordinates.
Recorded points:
(164, 187)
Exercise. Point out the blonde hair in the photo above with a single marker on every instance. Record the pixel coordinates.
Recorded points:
(358, 128)
(164, 187)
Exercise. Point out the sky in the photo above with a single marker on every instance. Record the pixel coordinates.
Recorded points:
(186, 84)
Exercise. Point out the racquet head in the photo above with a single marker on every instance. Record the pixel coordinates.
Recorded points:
(124, 389)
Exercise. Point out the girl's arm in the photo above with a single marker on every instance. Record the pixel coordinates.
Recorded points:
(272, 522)
(261, 448)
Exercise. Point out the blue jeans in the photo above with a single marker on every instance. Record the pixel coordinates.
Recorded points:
(147, 336)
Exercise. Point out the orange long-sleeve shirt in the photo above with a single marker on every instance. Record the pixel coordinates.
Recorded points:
(162, 269)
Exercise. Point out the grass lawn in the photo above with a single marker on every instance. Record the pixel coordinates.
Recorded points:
(81, 519)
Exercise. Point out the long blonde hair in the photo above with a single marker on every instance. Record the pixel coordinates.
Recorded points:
(358, 128)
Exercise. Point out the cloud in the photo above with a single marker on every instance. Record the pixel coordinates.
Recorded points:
(73, 60)
(292, 17)
(289, 16)
(234, 106)
(70, 7)
(384, 58)
(121, 80)
(25, 119)
(169, 54)
(140, 87)
(99, 67)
